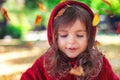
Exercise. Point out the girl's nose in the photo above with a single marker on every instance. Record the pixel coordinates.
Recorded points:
(71, 40)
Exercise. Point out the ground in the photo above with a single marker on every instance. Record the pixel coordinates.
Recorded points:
(16, 59)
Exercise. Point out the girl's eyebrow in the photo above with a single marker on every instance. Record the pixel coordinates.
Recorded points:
(81, 31)
(62, 30)
(68, 30)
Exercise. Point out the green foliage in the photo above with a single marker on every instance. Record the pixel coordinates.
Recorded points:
(99, 6)
(11, 30)
(115, 6)
(51, 3)
(23, 18)
(32, 4)
(88, 2)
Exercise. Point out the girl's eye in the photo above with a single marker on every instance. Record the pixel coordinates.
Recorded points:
(80, 36)
(63, 36)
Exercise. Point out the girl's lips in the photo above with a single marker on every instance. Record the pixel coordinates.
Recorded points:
(72, 49)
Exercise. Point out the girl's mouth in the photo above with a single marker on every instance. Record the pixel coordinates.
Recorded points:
(72, 49)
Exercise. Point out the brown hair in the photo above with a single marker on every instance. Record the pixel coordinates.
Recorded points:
(59, 64)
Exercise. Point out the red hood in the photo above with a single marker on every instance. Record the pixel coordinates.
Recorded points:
(54, 12)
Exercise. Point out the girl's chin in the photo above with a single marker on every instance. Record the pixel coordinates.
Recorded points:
(71, 57)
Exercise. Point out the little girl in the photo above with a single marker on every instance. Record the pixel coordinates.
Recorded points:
(72, 54)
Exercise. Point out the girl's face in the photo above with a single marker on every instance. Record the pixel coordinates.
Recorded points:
(72, 40)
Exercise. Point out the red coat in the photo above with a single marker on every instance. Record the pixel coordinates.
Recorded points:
(37, 72)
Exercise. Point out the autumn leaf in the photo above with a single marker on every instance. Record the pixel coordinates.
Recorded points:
(60, 13)
(62, 1)
(108, 12)
(28, 43)
(42, 7)
(118, 28)
(77, 71)
(65, 0)
(106, 2)
(38, 19)
(96, 19)
(4, 12)
(97, 43)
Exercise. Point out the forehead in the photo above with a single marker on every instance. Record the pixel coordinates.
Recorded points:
(76, 26)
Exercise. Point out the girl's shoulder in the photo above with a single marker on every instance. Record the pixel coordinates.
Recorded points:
(34, 72)
(40, 60)
(107, 72)
(106, 63)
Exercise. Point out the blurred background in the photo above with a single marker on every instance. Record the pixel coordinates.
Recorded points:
(23, 37)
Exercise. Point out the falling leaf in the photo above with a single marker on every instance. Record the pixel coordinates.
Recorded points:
(38, 19)
(62, 1)
(96, 19)
(118, 28)
(97, 43)
(77, 71)
(42, 7)
(108, 12)
(28, 43)
(4, 12)
(106, 2)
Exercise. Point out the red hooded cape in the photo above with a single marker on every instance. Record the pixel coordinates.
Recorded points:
(38, 72)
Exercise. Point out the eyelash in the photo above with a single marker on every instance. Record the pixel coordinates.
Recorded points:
(67, 35)
(63, 36)
(80, 35)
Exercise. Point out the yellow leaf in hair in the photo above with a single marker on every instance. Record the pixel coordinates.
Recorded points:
(96, 19)
(77, 71)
